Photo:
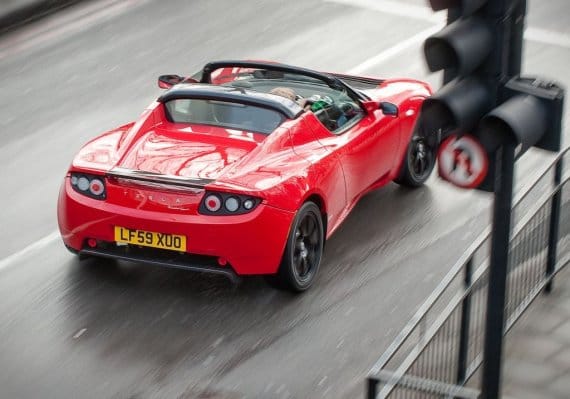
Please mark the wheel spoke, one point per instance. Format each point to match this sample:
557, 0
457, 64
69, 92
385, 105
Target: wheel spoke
304, 267
421, 158
298, 264
303, 227
313, 240
311, 226
420, 166
311, 256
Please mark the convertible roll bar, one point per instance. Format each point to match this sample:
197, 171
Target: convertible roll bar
330, 80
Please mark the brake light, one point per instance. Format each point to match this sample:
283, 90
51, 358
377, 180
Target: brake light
96, 187
213, 203
227, 204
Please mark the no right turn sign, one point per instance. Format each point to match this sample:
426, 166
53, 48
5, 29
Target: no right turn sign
462, 161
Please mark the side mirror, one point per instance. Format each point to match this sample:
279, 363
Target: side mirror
167, 81
389, 108
386, 107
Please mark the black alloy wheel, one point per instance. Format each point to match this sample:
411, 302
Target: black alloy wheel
303, 252
419, 163
421, 159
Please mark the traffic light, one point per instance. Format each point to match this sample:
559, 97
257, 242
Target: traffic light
466, 49
531, 115
480, 53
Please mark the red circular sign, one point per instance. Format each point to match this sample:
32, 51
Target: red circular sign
463, 161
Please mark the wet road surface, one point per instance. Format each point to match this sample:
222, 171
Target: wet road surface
97, 329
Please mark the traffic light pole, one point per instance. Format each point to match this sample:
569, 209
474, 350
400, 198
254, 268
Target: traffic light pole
492, 352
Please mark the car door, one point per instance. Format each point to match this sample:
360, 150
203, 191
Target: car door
366, 148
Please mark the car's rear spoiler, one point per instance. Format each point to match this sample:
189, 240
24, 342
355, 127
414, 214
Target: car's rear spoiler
158, 178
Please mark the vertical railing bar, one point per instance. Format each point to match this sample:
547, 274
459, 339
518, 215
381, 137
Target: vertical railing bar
454, 353
439, 355
372, 391
508, 288
433, 362
480, 316
541, 260
526, 258
465, 323
516, 279
454, 345
472, 340
519, 260
535, 260
546, 234
554, 225
433, 357
529, 263
472, 333
447, 349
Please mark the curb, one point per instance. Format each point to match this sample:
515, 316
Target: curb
31, 12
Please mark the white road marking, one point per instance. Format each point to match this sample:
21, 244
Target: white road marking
547, 37
422, 13
394, 50
79, 333
395, 8
36, 246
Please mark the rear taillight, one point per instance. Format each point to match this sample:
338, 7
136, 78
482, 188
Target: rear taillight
227, 204
90, 185
212, 203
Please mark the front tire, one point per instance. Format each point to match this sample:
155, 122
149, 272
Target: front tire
418, 163
303, 251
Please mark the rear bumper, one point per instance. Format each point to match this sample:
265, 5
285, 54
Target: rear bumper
251, 244
196, 263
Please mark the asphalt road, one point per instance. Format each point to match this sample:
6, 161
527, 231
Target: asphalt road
100, 330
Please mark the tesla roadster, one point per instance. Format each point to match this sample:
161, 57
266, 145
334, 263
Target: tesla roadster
244, 168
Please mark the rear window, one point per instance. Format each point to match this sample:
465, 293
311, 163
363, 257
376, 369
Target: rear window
225, 114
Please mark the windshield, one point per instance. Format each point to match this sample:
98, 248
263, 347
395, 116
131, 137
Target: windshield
225, 114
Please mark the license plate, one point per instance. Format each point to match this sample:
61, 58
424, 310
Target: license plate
150, 239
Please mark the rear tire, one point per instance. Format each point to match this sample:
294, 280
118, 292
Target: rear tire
418, 163
303, 251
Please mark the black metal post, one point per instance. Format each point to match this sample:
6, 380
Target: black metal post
554, 226
493, 349
515, 37
465, 322
372, 390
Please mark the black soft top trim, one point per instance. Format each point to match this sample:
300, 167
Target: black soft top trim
271, 66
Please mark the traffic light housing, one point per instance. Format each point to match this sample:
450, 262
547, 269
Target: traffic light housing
531, 115
480, 53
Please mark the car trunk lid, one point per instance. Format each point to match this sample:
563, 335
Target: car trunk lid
186, 152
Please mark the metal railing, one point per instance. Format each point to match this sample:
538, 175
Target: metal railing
440, 349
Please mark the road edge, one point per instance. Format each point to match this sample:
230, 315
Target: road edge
31, 12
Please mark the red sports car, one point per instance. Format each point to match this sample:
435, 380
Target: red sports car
244, 169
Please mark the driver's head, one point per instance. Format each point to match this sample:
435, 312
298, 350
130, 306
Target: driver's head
284, 92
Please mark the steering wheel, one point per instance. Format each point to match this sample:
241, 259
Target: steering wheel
348, 109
